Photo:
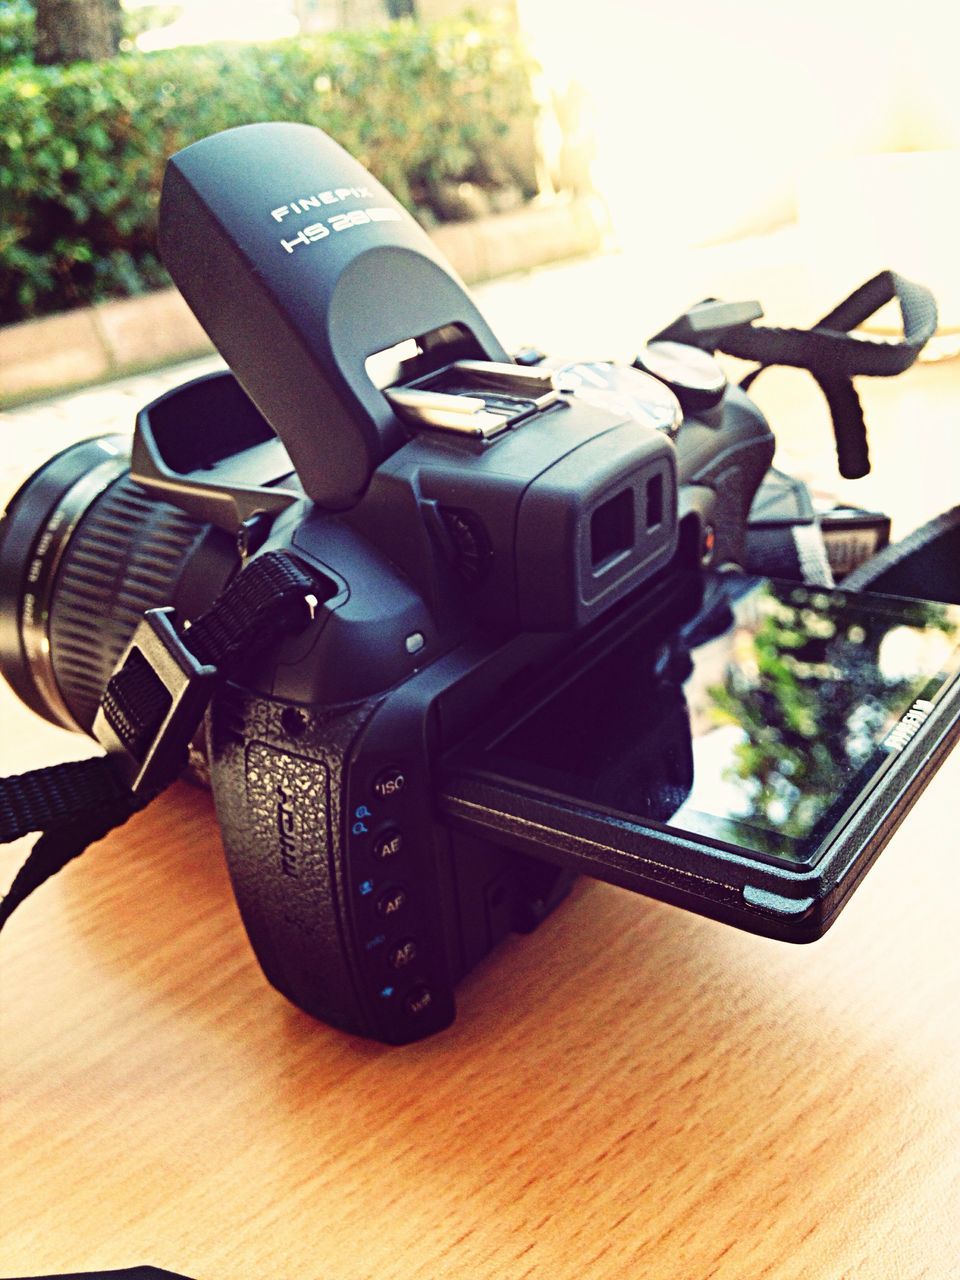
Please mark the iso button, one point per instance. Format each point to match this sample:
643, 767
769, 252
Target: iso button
389, 783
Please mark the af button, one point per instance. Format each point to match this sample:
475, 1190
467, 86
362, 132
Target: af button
391, 901
403, 953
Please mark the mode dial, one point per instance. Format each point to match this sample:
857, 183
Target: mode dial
694, 376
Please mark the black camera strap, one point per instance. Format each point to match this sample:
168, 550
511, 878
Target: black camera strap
152, 707
830, 351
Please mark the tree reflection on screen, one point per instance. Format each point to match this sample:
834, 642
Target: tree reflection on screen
828, 676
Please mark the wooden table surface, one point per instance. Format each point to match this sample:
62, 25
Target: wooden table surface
631, 1091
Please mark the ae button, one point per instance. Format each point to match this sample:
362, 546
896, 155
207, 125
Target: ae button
388, 845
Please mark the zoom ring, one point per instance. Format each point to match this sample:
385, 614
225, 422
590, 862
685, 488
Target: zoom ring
125, 556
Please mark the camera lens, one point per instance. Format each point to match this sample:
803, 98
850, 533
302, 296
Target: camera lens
84, 550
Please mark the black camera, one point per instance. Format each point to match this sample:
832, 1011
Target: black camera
530, 655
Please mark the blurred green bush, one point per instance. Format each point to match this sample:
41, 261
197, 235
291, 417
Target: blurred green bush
16, 32
83, 147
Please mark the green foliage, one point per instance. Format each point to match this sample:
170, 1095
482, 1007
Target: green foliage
822, 706
83, 147
16, 32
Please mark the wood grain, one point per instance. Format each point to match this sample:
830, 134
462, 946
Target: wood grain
631, 1091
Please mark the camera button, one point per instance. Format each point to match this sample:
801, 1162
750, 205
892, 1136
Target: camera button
391, 901
418, 1001
388, 844
389, 783
403, 953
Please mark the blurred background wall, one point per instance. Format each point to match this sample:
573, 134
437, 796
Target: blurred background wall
705, 122
713, 121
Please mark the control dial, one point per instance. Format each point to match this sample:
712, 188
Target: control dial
694, 376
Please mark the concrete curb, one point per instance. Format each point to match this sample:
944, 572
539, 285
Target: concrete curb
80, 348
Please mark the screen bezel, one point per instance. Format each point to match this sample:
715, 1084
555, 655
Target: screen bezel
719, 877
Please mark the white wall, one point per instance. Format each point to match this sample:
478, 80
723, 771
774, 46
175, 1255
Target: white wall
711, 116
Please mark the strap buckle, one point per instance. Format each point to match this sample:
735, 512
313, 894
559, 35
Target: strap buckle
703, 324
154, 704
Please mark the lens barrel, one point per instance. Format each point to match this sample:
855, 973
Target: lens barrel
84, 550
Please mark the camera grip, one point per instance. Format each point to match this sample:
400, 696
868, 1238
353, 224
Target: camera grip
278, 779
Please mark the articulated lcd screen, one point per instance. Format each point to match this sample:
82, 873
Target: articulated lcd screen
756, 723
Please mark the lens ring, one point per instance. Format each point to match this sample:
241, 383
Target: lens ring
128, 556
85, 550
37, 596
23, 525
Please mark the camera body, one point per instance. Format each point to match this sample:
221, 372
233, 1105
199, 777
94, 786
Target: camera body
467, 525
472, 526
529, 651
364, 907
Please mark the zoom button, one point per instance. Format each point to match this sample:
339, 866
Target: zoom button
388, 845
391, 901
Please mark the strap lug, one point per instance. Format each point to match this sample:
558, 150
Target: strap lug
189, 685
